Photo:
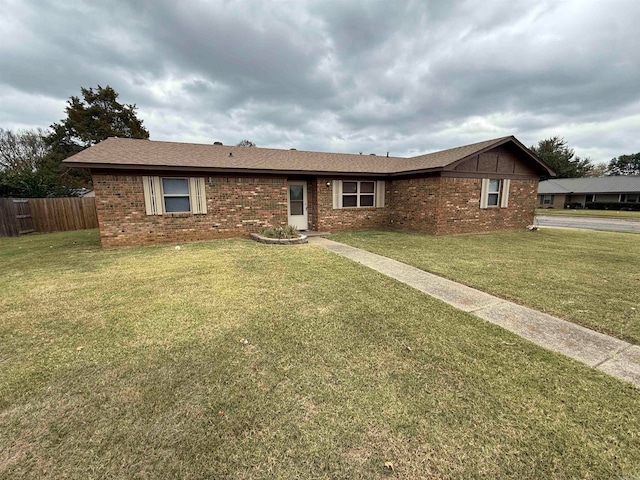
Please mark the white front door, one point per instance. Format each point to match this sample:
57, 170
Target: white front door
297, 204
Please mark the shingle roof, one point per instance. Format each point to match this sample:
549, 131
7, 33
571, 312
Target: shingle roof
613, 184
133, 153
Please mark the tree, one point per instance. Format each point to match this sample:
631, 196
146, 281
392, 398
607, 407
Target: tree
597, 170
25, 169
96, 117
22, 150
246, 143
556, 153
625, 165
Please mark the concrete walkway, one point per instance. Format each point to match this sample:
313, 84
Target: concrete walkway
608, 354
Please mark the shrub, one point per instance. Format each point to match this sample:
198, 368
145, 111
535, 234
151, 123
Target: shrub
573, 205
286, 231
612, 206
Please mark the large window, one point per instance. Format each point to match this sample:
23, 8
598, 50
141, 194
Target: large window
358, 194
174, 195
629, 197
175, 192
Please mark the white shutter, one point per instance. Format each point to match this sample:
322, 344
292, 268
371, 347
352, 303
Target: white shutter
198, 196
484, 193
504, 200
152, 195
380, 193
337, 193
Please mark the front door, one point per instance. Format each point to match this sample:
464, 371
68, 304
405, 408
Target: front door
297, 204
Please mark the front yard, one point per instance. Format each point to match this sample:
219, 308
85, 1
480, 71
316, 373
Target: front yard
589, 277
130, 364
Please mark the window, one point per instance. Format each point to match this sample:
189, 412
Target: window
357, 193
590, 198
629, 197
546, 199
494, 193
174, 195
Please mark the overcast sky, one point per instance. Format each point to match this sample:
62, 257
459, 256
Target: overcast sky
354, 76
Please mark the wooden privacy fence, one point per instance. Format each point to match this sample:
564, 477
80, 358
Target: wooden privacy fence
18, 216
15, 217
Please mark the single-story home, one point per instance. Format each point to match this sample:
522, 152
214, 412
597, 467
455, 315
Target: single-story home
581, 192
149, 192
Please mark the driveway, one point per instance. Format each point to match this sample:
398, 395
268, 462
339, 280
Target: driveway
589, 223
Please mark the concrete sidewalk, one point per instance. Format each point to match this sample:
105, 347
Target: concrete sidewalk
608, 354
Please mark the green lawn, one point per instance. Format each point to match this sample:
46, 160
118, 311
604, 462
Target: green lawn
129, 364
621, 214
589, 277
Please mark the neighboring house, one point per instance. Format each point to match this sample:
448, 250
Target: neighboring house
149, 192
578, 192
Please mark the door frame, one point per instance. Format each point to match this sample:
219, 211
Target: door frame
302, 222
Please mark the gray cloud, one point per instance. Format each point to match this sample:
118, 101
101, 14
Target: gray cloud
406, 77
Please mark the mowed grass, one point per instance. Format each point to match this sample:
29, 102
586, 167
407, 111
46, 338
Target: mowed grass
129, 364
621, 214
589, 277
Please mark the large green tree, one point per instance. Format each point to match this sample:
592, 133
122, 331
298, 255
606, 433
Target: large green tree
625, 165
563, 160
96, 117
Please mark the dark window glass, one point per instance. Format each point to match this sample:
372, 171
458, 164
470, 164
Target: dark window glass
366, 200
296, 192
176, 204
297, 208
349, 187
175, 186
493, 200
366, 187
349, 201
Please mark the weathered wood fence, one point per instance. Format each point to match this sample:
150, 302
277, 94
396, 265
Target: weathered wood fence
22, 215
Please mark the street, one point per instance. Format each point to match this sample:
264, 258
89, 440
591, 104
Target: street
589, 223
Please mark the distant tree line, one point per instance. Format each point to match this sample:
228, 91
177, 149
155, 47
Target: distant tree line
556, 153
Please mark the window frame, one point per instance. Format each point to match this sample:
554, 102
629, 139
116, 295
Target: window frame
502, 193
497, 193
175, 195
154, 196
624, 197
358, 194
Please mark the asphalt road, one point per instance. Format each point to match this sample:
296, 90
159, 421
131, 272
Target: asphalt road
589, 223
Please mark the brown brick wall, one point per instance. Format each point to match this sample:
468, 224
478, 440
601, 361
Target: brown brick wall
459, 208
446, 205
326, 219
238, 206
414, 204
235, 207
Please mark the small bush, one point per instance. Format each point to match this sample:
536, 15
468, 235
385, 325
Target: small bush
286, 231
574, 205
612, 206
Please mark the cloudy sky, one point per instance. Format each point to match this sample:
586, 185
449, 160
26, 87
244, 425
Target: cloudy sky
352, 76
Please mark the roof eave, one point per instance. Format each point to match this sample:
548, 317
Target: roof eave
261, 171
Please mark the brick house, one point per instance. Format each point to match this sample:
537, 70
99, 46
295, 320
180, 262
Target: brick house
149, 192
619, 191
